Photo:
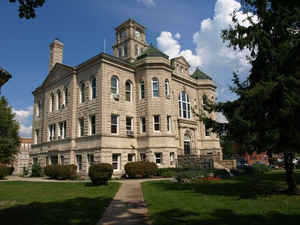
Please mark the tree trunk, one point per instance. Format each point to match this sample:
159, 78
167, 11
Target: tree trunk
290, 175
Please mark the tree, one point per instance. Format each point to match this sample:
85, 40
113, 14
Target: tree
265, 115
9, 138
27, 7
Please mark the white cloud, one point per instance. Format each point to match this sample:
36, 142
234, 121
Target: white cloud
24, 117
221, 118
211, 54
148, 3
166, 42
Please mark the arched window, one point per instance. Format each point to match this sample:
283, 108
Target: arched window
128, 91
142, 87
58, 100
93, 88
38, 109
204, 100
114, 85
184, 105
65, 96
155, 87
51, 103
187, 144
125, 50
167, 87
81, 92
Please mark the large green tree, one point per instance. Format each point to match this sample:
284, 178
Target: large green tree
265, 115
27, 7
9, 138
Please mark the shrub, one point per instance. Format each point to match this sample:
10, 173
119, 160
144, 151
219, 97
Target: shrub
100, 173
222, 173
190, 174
140, 169
11, 170
257, 169
36, 170
61, 172
166, 172
4, 171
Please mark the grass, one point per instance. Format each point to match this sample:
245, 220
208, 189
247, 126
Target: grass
237, 201
41, 203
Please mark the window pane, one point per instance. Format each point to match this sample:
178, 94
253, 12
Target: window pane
93, 88
155, 87
114, 124
114, 85
142, 90
128, 123
128, 91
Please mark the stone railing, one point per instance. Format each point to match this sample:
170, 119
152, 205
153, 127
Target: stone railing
194, 161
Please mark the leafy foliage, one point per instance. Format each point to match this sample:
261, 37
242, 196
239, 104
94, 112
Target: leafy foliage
9, 138
140, 169
61, 172
36, 170
27, 7
100, 173
4, 171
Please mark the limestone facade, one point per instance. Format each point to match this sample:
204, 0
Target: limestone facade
135, 105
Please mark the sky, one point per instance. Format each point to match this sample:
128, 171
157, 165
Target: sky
189, 28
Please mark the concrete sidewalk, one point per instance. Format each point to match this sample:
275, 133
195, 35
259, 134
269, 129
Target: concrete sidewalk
127, 207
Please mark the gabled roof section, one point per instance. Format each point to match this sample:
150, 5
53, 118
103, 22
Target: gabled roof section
151, 51
182, 59
58, 72
199, 75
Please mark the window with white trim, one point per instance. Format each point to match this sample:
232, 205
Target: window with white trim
51, 103
128, 91
58, 100
131, 157
155, 87
36, 136
80, 127
92, 125
65, 97
81, 92
51, 132
142, 89
129, 123
114, 85
143, 124
158, 158
184, 105
156, 123
62, 130
172, 158
114, 124
116, 161
93, 88
38, 109
169, 123
167, 87
79, 162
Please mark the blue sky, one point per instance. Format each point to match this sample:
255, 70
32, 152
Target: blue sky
178, 27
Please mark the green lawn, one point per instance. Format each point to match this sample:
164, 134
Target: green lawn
238, 201
40, 203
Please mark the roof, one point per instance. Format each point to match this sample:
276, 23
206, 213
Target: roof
151, 51
199, 75
4, 76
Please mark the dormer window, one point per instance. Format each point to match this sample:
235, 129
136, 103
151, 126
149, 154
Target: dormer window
182, 69
123, 34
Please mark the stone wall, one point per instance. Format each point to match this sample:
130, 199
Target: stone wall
194, 161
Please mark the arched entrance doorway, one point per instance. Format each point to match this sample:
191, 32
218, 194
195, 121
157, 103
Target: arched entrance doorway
187, 144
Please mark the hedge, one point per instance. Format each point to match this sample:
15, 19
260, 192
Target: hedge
100, 173
140, 169
4, 171
61, 172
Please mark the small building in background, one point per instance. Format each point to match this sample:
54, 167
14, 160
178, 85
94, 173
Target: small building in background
21, 161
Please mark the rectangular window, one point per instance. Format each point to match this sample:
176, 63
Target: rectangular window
131, 157
143, 156
51, 132
54, 160
142, 90
65, 129
92, 127
36, 136
158, 158
35, 161
80, 127
155, 88
169, 123
128, 123
172, 158
79, 162
116, 161
93, 88
156, 122
114, 124
143, 124
62, 160
90, 158
207, 132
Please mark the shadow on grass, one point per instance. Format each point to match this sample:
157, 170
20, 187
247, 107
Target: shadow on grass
243, 187
79, 211
222, 217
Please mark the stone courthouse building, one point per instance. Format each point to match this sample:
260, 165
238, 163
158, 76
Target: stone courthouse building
134, 105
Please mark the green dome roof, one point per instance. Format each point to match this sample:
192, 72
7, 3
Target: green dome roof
199, 75
151, 51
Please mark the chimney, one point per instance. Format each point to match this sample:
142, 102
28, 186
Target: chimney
56, 53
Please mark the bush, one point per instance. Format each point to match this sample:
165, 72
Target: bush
166, 172
100, 173
140, 169
4, 171
11, 170
190, 174
61, 172
221, 173
257, 169
36, 170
